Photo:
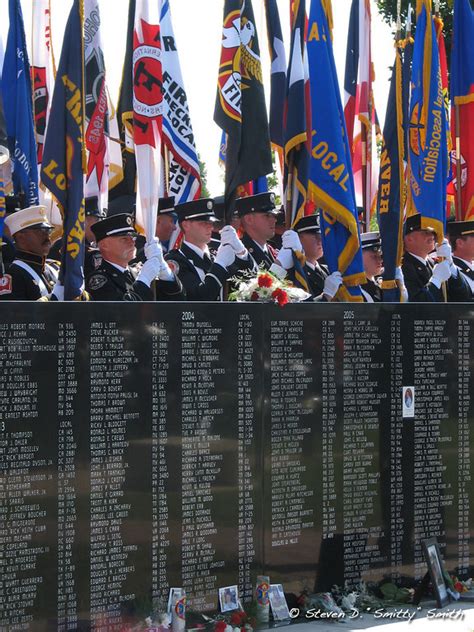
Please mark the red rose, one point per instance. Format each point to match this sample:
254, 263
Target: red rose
254, 296
459, 587
237, 617
280, 296
265, 281
220, 626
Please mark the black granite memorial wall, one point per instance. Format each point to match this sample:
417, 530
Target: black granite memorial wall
145, 446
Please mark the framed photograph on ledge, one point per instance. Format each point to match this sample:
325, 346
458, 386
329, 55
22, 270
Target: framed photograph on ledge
436, 570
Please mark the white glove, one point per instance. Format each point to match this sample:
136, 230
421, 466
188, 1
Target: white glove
441, 272
166, 274
58, 291
153, 249
332, 283
399, 275
225, 255
445, 251
150, 270
290, 239
230, 238
285, 258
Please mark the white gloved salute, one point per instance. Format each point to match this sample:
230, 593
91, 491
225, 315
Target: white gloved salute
230, 238
332, 283
441, 272
150, 270
290, 239
445, 251
225, 255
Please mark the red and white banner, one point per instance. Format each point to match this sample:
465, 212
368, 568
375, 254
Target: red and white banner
147, 111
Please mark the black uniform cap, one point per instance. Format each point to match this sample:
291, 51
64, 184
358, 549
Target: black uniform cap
166, 205
413, 223
201, 210
260, 203
308, 224
92, 207
114, 226
459, 229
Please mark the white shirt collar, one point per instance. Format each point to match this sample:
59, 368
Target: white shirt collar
197, 250
116, 265
425, 261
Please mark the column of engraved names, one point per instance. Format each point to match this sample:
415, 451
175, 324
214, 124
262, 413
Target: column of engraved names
432, 495
396, 447
290, 384
246, 422
201, 462
25, 482
329, 419
361, 476
160, 471
67, 451
110, 362
464, 442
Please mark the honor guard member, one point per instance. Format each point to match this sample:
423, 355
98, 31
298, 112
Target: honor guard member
29, 277
461, 237
115, 279
322, 285
202, 275
423, 277
258, 221
371, 246
94, 214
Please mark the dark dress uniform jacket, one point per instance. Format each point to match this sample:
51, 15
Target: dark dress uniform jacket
185, 263
373, 289
466, 270
315, 278
31, 277
108, 283
417, 276
259, 256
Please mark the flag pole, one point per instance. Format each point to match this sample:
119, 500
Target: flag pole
457, 130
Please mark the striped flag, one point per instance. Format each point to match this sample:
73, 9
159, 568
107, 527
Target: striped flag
184, 173
42, 70
359, 110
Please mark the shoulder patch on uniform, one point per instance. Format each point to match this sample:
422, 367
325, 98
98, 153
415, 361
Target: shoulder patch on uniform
96, 260
96, 281
174, 266
6, 286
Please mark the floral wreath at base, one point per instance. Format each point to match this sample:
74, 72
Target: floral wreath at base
265, 287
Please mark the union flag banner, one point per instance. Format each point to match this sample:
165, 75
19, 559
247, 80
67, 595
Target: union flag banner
428, 151
18, 108
63, 159
147, 85
462, 96
240, 104
184, 174
331, 185
96, 110
42, 70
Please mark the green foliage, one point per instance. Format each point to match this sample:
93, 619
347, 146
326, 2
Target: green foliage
203, 170
395, 594
388, 11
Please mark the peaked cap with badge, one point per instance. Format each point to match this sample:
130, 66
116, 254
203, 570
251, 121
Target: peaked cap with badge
259, 203
114, 226
201, 210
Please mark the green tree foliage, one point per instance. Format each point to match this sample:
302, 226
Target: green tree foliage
388, 11
203, 170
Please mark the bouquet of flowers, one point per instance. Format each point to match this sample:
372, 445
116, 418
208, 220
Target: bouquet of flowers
267, 288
